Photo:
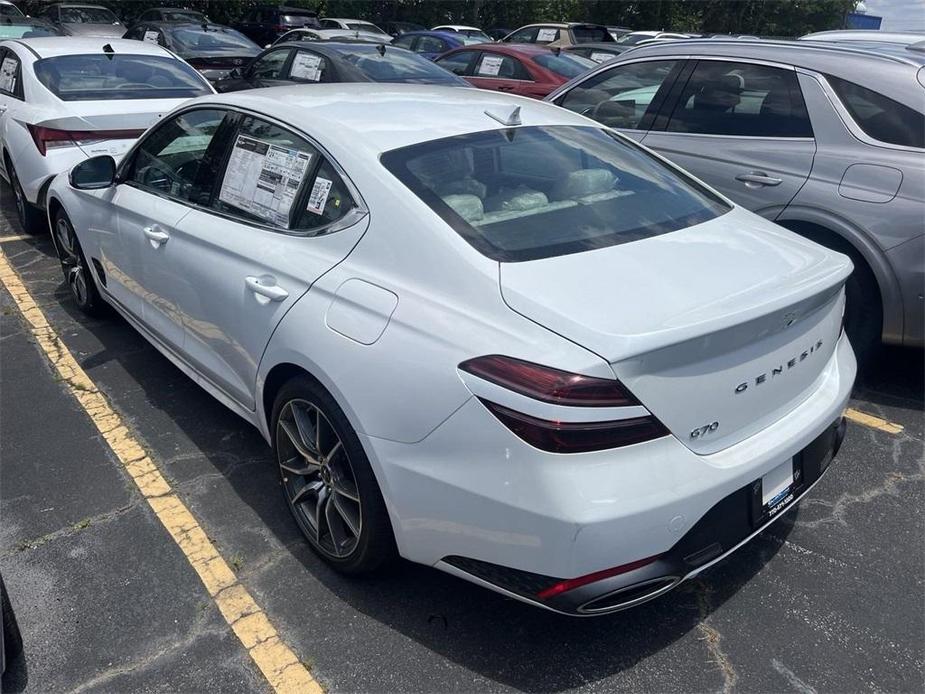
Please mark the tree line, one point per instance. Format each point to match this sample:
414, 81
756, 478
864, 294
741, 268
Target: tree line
759, 17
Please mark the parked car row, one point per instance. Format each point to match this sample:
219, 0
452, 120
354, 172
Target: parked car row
720, 218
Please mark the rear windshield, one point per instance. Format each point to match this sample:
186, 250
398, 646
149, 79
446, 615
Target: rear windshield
537, 192
26, 31
364, 26
591, 34
567, 66
87, 15
183, 16
101, 76
397, 65
222, 39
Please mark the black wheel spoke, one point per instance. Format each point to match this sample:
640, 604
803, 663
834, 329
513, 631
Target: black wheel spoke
350, 518
295, 438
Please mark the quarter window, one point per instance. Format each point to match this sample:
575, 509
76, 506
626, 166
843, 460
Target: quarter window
880, 117
172, 160
724, 98
270, 66
622, 96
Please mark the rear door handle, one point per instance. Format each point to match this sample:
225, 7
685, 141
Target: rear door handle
265, 288
758, 178
156, 236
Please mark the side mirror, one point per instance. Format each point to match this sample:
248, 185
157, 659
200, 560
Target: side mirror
235, 74
94, 173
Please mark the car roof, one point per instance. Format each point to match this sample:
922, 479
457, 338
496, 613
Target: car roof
53, 46
602, 45
366, 122
903, 37
886, 73
335, 47
433, 32
78, 4
457, 27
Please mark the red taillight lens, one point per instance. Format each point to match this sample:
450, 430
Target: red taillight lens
577, 437
549, 385
47, 138
572, 583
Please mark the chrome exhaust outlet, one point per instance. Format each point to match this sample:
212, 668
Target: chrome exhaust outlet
630, 596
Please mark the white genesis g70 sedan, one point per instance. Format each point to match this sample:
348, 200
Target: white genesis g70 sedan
479, 331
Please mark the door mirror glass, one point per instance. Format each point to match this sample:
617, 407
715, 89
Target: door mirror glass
94, 173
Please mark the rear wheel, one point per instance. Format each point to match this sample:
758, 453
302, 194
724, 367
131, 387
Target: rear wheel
327, 480
12, 639
80, 283
863, 312
30, 217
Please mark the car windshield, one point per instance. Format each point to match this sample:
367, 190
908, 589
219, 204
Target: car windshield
26, 30
567, 66
397, 65
536, 192
476, 34
10, 11
217, 38
184, 16
87, 15
633, 39
473, 40
107, 76
364, 26
591, 34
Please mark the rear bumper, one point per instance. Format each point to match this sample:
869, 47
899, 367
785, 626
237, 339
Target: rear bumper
730, 524
473, 490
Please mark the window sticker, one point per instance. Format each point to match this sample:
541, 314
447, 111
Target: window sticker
319, 195
8, 74
306, 66
601, 57
490, 65
264, 179
547, 34
150, 36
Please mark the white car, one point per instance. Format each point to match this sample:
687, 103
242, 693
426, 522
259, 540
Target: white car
505, 342
331, 35
353, 25
467, 31
63, 99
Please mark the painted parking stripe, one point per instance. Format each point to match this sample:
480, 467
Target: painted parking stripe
869, 420
20, 237
248, 621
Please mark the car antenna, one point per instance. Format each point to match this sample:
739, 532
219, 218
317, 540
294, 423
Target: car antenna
513, 118
381, 49
107, 49
557, 50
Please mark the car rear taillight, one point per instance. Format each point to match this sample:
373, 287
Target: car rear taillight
550, 385
49, 138
567, 389
573, 583
577, 437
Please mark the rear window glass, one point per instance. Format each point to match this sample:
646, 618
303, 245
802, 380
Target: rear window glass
880, 117
26, 31
299, 18
101, 76
536, 192
565, 65
591, 34
397, 65
194, 38
87, 15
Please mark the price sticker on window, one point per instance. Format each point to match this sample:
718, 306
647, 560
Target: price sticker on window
490, 65
601, 57
8, 74
150, 36
318, 198
547, 35
306, 66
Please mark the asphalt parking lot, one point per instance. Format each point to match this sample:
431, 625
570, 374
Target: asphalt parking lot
830, 599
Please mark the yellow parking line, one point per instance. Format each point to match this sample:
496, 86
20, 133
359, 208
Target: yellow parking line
869, 420
20, 237
276, 661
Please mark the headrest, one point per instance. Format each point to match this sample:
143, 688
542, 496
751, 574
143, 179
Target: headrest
586, 182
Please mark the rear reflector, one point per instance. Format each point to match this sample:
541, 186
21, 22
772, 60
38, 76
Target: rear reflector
549, 385
48, 138
572, 583
577, 437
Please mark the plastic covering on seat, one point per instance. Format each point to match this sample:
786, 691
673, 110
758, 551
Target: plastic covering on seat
516, 200
469, 207
579, 185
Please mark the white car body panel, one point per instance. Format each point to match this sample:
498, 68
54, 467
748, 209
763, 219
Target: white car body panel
383, 329
41, 107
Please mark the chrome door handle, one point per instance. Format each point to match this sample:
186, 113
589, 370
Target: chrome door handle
758, 178
156, 237
262, 288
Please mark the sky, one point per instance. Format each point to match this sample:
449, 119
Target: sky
898, 15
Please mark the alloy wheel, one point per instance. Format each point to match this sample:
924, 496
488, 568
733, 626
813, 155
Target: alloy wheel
318, 478
19, 197
71, 262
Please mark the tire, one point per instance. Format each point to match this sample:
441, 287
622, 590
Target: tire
863, 312
327, 480
30, 217
12, 639
77, 274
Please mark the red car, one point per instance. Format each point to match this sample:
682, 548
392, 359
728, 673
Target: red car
524, 69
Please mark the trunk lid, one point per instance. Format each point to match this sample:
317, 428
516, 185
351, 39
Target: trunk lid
687, 318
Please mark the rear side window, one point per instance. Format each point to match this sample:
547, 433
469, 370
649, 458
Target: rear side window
501, 67
308, 67
431, 44
527, 35
270, 66
725, 98
565, 65
457, 63
404, 41
880, 117
101, 76
591, 34
396, 65
536, 192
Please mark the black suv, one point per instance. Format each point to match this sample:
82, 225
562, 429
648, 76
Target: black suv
266, 23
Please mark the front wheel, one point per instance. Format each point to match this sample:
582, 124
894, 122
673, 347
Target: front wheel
80, 283
327, 480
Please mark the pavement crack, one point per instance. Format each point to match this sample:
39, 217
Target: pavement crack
795, 682
711, 636
71, 530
